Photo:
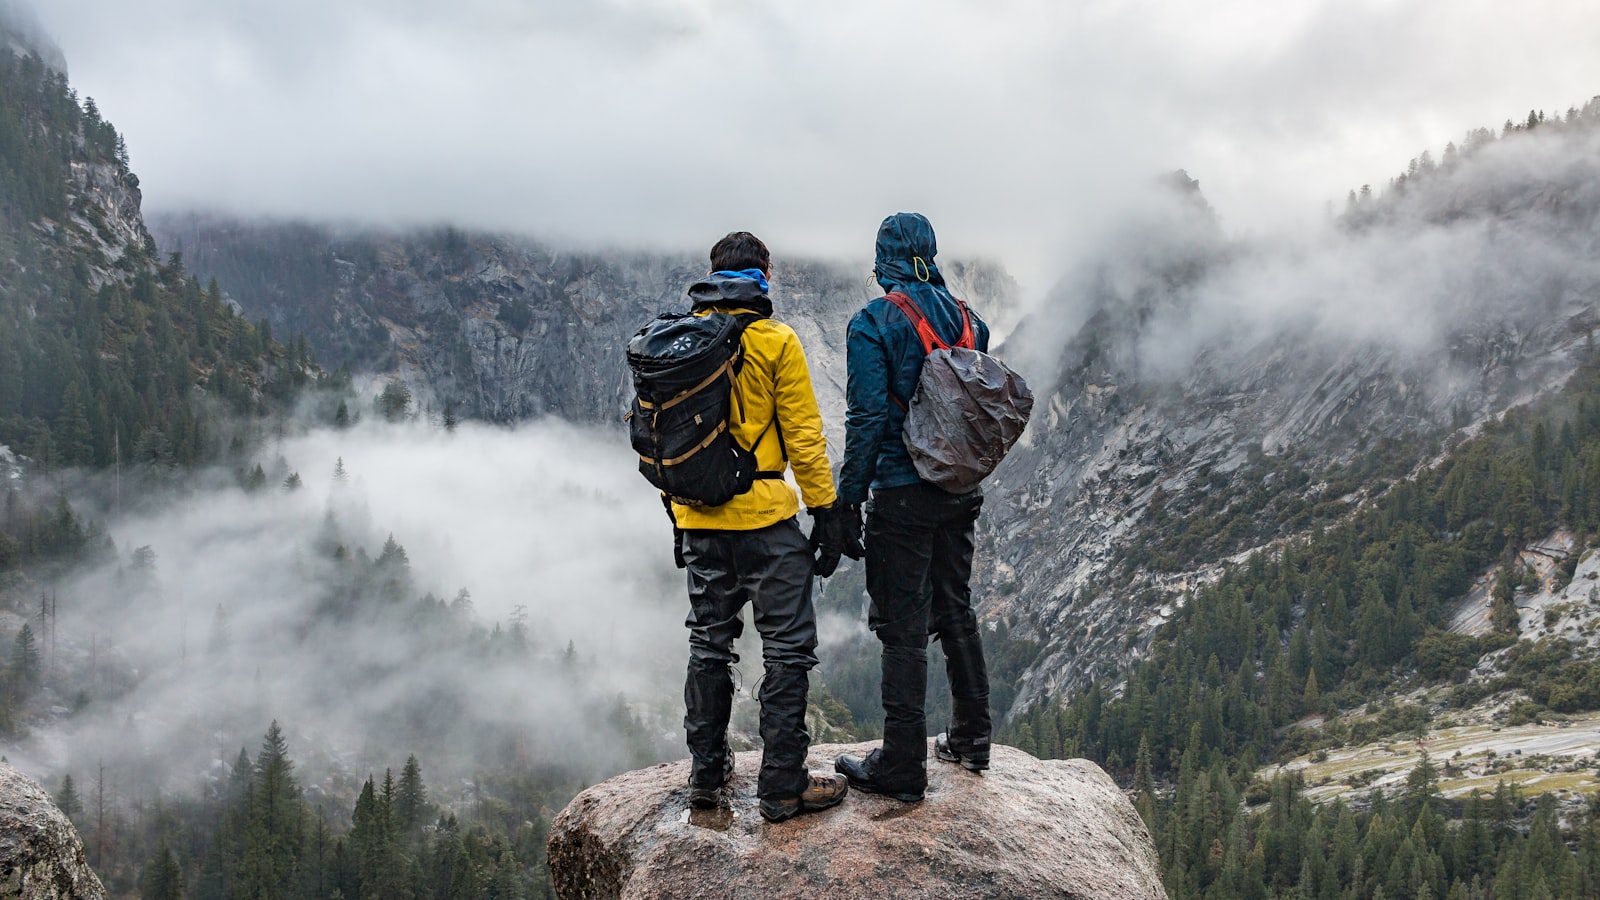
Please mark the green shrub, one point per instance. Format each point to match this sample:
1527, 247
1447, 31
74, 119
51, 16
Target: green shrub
1445, 654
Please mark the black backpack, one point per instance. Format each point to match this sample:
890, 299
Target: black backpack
683, 412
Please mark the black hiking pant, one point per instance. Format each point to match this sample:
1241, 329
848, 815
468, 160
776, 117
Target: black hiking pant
769, 568
919, 561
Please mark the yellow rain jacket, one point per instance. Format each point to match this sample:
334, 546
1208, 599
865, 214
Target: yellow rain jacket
773, 383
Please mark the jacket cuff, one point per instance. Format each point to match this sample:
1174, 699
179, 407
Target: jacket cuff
851, 497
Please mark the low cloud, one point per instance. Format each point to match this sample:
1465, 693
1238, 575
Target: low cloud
1020, 127
1487, 248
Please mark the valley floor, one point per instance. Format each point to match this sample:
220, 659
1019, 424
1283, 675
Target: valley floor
1557, 756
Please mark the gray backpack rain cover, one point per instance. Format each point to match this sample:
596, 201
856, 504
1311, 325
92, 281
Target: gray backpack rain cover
967, 412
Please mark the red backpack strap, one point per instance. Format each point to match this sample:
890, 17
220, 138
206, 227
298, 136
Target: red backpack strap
968, 339
930, 338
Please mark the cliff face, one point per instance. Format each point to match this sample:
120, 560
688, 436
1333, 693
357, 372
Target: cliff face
1187, 422
504, 329
103, 348
1128, 496
1025, 829
41, 857
107, 224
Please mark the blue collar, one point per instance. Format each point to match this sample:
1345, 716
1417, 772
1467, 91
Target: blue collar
755, 275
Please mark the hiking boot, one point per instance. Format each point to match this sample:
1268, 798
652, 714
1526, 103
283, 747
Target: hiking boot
710, 797
823, 792
972, 762
863, 776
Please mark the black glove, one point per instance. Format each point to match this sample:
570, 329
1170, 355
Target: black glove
849, 525
835, 532
827, 557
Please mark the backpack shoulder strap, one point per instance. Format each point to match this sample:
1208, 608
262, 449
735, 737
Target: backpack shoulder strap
925, 333
969, 340
745, 320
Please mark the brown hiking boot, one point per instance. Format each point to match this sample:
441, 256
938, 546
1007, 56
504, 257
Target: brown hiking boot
823, 792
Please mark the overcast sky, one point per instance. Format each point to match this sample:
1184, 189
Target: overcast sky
1015, 124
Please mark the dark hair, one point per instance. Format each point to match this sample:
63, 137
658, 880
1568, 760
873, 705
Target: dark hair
740, 250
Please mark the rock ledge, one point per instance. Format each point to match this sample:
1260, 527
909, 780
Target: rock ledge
41, 857
1026, 829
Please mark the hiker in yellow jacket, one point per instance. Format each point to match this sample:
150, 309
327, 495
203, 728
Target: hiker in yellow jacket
751, 550
781, 425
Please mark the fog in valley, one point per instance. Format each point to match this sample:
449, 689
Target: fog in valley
535, 618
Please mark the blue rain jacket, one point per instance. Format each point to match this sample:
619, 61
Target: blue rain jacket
884, 355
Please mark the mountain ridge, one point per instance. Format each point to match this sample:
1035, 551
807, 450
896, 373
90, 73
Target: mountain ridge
504, 328
1276, 426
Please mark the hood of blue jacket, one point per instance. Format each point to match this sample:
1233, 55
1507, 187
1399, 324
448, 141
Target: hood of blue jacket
730, 289
903, 238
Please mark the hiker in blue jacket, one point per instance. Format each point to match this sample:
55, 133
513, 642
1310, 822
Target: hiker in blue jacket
919, 537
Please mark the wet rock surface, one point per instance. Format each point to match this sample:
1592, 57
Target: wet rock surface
1027, 828
41, 857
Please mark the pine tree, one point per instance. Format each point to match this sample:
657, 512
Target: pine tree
411, 797
381, 867
274, 836
394, 401
465, 879
1311, 700
1503, 613
67, 798
255, 479
1374, 625
393, 554
163, 877
507, 883
367, 832
24, 669
1421, 786
1144, 786
74, 437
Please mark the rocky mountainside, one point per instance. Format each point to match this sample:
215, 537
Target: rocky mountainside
106, 353
1223, 394
1025, 829
503, 329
